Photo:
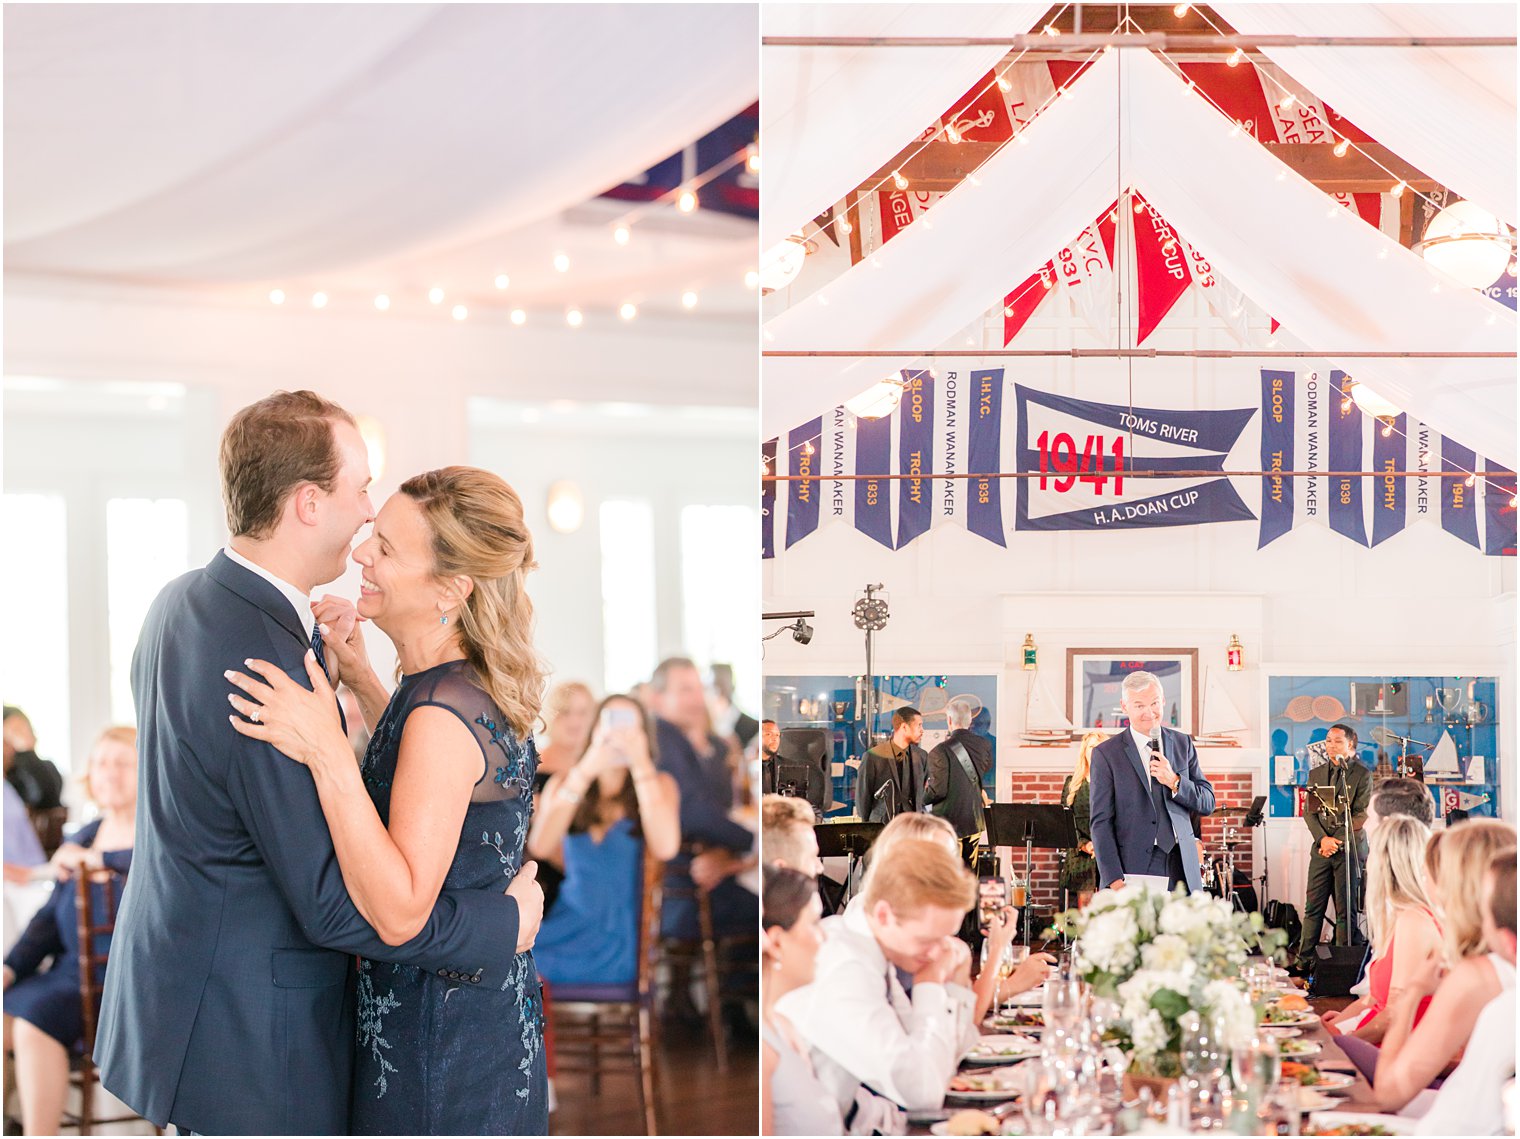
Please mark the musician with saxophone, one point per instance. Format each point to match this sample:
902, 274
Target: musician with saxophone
1342, 778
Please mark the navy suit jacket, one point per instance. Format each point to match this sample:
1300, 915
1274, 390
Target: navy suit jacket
1124, 814
228, 1006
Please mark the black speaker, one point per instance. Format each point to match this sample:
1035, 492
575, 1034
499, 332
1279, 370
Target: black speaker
1336, 968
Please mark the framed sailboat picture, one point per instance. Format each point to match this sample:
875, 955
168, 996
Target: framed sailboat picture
1094, 678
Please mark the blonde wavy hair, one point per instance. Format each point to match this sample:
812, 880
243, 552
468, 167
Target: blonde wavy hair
1465, 852
1395, 875
1084, 763
479, 532
560, 696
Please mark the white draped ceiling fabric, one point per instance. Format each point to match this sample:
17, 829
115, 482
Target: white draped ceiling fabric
830, 116
221, 143
1332, 283
1449, 111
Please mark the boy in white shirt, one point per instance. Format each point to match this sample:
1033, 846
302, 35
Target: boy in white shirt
862, 1025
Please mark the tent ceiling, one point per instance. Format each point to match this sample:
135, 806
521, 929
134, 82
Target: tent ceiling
369, 147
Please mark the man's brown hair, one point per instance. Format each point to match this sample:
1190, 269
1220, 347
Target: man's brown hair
271, 447
917, 872
1502, 867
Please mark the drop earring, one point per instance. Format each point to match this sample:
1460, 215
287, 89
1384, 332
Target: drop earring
444, 620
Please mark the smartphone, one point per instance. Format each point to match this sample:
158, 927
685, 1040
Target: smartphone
991, 897
620, 717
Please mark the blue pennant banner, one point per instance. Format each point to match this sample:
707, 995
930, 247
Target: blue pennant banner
802, 493
1345, 455
768, 501
1277, 427
873, 454
1499, 509
1459, 502
1390, 449
984, 501
915, 455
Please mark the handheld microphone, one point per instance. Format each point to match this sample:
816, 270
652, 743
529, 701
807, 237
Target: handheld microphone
1155, 748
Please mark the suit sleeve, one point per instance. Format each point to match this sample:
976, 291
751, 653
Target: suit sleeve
40, 940
468, 930
1194, 792
937, 781
1105, 838
866, 784
1312, 820
1360, 798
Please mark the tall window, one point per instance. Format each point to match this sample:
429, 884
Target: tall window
629, 630
720, 584
146, 548
34, 580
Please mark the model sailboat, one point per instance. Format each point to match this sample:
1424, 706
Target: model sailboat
1218, 718
1044, 724
1444, 765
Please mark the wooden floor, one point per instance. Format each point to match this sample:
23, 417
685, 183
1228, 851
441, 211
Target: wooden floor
694, 1098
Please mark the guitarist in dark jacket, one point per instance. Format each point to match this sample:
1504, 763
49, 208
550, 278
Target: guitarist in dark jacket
953, 786
891, 778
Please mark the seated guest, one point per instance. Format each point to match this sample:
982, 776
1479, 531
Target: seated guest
44, 1022
1399, 797
862, 1025
1469, 1102
784, 774
23, 854
36, 780
1412, 1058
568, 711
1401, 920
595, 821
892, 774
953, 783
792, 1099
729, 720
786, 834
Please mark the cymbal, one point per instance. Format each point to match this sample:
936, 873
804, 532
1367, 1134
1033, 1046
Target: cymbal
1232, 810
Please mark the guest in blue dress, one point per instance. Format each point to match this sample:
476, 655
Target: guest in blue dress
44, 1021
442, 798
594, 822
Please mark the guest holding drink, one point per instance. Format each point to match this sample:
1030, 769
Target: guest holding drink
1079, 872
596, 820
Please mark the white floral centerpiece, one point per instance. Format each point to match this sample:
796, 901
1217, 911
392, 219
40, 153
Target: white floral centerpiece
1160, 956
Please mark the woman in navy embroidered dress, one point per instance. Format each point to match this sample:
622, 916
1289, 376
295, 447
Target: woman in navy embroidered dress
443, 798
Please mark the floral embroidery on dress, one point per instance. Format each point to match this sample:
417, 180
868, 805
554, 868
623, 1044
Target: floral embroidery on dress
372, 1012
523, 980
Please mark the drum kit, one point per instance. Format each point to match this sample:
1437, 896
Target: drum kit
1218, 868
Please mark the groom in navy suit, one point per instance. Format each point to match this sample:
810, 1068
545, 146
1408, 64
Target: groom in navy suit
1146, 786
228, 1005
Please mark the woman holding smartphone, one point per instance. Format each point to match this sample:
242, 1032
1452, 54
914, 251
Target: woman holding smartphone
594, 821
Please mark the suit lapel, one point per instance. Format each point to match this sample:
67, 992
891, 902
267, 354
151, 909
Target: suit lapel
258, 592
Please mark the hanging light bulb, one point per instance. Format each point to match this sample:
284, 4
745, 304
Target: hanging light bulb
751, 278
621, 235
1387, 425
460, 312
1342, 147
574, 317
752, 159
1470, 480
845, 226
1398, 188
628, 311
566, 507
382, 302
1180, 10
687, 201
502, 280
688, 300
1288, 102
318, 300
519, 317
1235, 57
561, 263
898, 180
1467, 243
1003, 85
952, 134
276, 296
435, 294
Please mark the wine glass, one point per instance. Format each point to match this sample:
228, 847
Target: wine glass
1203, 1056
1013, 957
1257, 1067
1062, 1002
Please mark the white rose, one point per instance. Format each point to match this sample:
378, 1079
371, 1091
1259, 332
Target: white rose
1167, 953
1109, 940
1149, 1033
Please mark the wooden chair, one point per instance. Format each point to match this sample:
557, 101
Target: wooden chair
686, 953
601, 1029
97, 920
49, 822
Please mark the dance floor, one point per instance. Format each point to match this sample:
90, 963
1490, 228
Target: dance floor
694, 1098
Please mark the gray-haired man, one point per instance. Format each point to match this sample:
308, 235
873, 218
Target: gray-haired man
1146, 786
953, 785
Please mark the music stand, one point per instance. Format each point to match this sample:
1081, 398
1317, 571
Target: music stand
1049, 826
849, 838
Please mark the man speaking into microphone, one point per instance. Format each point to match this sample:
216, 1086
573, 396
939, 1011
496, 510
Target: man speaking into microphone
1146, 786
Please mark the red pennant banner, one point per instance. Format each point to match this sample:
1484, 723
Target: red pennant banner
1027, 296
1237, 91
981, 114
1161, 265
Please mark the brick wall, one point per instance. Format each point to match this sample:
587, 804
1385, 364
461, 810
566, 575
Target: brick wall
1230, 790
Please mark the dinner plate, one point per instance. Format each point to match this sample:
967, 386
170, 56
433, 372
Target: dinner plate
997, 1086
1282, 1031
1298, 1049
1299, 1018
1333, 1082
943, 1128
1322, 1121
1311, 1099
1003, 1023
1001, 1048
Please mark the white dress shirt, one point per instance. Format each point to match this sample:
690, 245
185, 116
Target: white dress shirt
299, 600
864, 1029
1468, 1102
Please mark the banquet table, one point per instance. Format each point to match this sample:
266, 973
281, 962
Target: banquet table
1356, 1098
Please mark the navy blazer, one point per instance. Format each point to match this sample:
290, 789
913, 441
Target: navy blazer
1123, 814
228, 1007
